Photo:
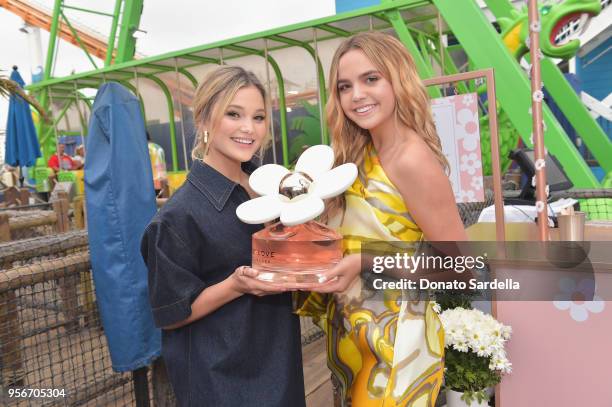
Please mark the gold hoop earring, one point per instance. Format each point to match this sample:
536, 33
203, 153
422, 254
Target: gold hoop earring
205, 136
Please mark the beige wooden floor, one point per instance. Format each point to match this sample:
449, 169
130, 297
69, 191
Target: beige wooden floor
317, 381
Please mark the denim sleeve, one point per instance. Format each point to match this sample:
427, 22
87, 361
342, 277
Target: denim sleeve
173, 283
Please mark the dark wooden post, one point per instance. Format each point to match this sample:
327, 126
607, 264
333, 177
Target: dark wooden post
86, 283
67, 285
11, 361
141, 387
5, 230
163, 395
79, 214
24, 196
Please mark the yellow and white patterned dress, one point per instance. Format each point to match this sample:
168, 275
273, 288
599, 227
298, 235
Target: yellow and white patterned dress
384, 349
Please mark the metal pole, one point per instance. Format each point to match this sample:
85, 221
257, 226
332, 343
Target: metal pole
78, 39
81, 116
178, 81
52, 39
441, 44
130, 20
59, 158
135, 82
319, 90
537, 96
172, 124
271, 110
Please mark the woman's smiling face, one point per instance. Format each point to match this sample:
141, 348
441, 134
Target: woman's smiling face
366, 96
242, 128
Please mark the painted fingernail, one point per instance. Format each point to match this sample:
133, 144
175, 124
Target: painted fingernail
322, 279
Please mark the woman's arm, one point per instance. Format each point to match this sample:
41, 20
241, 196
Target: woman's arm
427, 192
242, 281
428, 195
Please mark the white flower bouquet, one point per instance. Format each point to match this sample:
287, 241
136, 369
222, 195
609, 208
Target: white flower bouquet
475, 357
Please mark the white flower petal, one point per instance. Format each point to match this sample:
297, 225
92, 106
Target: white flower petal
579, 313
260, 210
266, 179
595, 306
301, 210
335, 181
316, 160
562, 305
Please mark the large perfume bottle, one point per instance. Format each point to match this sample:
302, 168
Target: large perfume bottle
296, 249
295, 254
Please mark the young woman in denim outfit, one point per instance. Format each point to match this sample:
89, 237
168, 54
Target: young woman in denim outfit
228, 339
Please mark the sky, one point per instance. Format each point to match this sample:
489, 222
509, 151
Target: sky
169, 26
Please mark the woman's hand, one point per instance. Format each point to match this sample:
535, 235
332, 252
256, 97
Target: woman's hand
340, 277
244, 281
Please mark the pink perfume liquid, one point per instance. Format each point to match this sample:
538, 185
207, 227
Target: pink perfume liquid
295, 254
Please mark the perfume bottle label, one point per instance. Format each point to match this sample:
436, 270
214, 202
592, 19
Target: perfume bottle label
264, 253
263, 256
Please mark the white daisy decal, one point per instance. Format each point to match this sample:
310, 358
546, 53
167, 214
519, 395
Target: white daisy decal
579, 309
476, 183
470, 163
468, 99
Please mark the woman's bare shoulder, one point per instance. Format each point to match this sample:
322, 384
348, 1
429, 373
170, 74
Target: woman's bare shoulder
414, 158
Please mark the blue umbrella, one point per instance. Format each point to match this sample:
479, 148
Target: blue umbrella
22, 148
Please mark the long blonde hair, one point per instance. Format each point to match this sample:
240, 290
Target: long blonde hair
412, 108
213, 96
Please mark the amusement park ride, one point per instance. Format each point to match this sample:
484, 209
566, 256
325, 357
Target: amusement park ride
434, 31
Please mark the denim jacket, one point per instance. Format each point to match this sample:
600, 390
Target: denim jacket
247, 352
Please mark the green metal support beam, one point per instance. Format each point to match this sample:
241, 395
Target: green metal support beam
449, 66
499, 7
84, 124
128, 23
184, 72
576, 112
366, 11
57, 7
56, 121
76, 36
189, 76
172, 125
334, 30
320, 79
42, 127
132, 10
110, 48
568, 101
424, 48
100, 13
486, 50
203, 60
423, 68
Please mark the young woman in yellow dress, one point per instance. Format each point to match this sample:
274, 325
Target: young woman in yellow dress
389, 351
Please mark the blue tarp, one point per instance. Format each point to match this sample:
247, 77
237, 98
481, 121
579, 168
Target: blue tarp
22, 148
120, 204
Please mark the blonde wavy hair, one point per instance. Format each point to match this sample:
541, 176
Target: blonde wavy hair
412, 106
213, 96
